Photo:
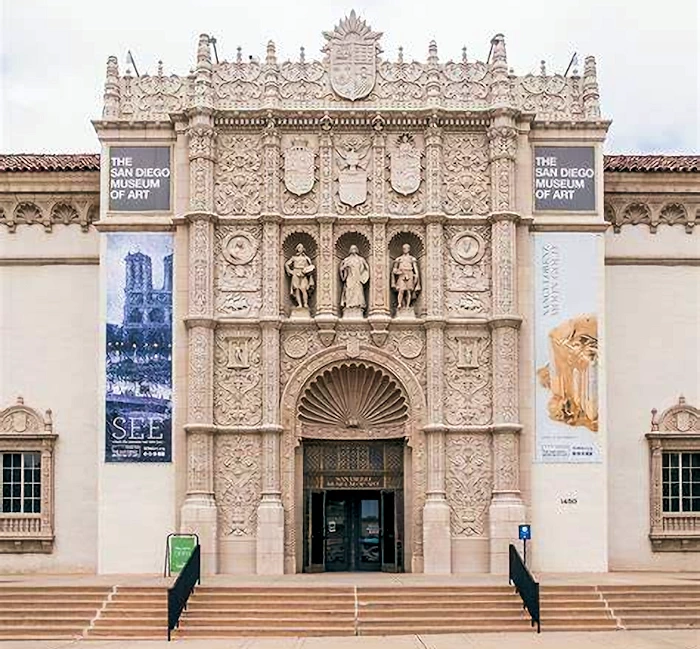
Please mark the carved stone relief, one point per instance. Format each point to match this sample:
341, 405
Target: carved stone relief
468, 271
237, 483
49, 210
405, 186
626, 209
468, 483
468, 377
466, 182
299, 251
352, 168
238, 174
237, 271
237, 377
296, 344
299, 174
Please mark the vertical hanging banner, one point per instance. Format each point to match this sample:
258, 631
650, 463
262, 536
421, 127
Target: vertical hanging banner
566, 347
138, 399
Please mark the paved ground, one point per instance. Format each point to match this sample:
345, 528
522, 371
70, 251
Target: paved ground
554, 640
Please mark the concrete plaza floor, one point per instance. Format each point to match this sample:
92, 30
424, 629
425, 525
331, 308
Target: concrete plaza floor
685, 639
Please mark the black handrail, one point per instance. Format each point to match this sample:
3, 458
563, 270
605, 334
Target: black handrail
181, 590
525, 585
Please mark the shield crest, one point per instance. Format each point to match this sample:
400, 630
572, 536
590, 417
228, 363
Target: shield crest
299, 168
352, 186
405, 166
352, 49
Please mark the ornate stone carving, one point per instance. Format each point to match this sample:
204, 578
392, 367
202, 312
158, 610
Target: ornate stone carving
237, 483
468, 483
296, 345
354, 274
628, 209
466, 182
405, 279
405, 165
468, 271
198, 375
505, 397
467, 247
681, 418
238, 175
468, 380
352, 51
237, 385
199, 463
353, 154
237, 271
49, 210
300, 270
299, 167
506, 462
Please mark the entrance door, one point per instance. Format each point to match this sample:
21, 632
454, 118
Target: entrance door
389, 536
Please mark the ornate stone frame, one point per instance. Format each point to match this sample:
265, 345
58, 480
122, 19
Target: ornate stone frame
677, 429
23, 429
291, 468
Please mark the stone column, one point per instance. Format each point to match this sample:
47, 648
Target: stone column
507, 509
270, 532
437, 549
379, 315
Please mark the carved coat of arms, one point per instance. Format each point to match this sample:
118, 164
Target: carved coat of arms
352, 47
352, 173
299, 168
405, 166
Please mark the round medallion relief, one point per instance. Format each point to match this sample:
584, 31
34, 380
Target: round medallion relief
410, 346
239, 248
296, 346
467, 248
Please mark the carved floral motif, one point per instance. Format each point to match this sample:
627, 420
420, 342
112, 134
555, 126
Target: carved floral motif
468, 483
238, 175
466, 182
237, 483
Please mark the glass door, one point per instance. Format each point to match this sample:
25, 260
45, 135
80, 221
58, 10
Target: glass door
390, 561
337, 544
315, 530
368, 538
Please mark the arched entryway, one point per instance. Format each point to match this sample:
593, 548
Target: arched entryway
352, 463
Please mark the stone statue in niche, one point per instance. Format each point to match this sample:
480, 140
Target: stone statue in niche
405, 280
354, 274
301, 281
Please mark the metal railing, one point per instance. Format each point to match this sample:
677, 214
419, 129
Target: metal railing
181, 590
525, 585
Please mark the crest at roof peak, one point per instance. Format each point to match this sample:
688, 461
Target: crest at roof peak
352, 25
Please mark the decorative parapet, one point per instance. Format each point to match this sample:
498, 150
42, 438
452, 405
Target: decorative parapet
674, 445
48, 210
352, 75
652, 211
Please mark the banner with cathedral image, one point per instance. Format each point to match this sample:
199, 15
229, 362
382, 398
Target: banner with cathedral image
138, 392
567, 294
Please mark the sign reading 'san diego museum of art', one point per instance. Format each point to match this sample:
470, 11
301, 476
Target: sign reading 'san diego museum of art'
564, 178
139, 178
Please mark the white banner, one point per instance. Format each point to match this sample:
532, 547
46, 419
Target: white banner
567, 291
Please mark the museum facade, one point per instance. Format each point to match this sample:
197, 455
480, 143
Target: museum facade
350, 314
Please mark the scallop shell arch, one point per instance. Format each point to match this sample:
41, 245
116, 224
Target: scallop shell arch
353, 395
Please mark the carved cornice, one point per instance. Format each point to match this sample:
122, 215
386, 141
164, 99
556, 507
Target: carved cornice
48, 210
652, 211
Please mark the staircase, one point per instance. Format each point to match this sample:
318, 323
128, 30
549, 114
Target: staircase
574, 608
654, 607
48, 612
219, 612
133, 612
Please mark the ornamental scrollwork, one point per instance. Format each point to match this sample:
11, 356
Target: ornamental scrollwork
466, 182
238, 175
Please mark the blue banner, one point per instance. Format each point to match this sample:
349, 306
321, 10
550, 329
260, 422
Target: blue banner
138, 398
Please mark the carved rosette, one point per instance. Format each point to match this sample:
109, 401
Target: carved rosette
468, 483
201, 155
238, 482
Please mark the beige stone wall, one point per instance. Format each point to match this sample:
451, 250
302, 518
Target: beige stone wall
48, 354
653, 321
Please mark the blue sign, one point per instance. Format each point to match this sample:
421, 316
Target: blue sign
524, 532
138, 399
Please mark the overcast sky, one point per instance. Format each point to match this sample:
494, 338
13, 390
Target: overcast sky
54, 53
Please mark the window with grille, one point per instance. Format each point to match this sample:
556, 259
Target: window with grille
21, 483
681, 482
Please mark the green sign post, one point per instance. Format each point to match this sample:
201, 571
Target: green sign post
180, 547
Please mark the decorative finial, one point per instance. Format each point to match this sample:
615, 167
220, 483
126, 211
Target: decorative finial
302, 54
681, 400
464, 54
654, 419
239, 54
400, 53
20, 401
498, 53
543, 68
591, 95
48, 419
203, 51
160, 68
271, 58
432, 52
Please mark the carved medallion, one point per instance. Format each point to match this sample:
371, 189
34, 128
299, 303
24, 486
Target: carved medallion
239, 248
297, 345
405, 165
467, 248
299, 168
410, 346
352, 47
